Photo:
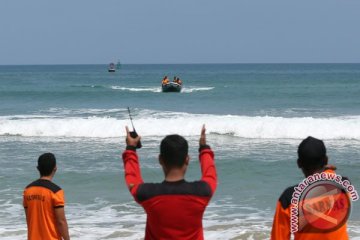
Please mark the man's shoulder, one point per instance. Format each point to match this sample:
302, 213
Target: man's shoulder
285, 197
45, 184
149, 190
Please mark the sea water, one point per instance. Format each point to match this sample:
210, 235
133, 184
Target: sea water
255, 115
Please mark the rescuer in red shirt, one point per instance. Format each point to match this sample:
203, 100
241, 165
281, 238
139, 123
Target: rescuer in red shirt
174, 207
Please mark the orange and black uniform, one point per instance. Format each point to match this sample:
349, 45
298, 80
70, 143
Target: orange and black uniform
40, 199
174, 209
281, 224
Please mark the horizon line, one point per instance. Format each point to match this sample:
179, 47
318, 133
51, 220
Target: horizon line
252, 63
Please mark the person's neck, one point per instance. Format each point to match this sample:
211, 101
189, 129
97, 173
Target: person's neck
49, 178
312, 172
174, 175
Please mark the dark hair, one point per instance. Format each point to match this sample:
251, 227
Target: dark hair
312, 153
174, 150
46, 164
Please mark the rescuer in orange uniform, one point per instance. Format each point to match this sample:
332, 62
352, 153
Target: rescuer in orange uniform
312, 159
44, 204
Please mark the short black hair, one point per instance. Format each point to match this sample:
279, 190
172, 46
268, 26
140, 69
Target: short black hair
312, 153
174, 150
46, 164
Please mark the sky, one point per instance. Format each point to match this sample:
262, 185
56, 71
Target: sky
186, 31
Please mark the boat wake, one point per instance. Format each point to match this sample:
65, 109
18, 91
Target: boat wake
196, 89
158, 89
133, 89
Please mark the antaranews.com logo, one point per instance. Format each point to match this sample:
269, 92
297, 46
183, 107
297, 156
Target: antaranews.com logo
321, 203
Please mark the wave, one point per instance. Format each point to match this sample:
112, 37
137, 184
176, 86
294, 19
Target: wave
127, 221
162, 123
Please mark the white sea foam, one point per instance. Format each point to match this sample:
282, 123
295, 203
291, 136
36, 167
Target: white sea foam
158, 89
142, 89
104, 220
196, 89
159, 124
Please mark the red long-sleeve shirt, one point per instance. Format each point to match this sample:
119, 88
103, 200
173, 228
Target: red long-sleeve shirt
174, 209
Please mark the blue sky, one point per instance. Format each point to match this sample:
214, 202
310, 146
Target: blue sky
186, 31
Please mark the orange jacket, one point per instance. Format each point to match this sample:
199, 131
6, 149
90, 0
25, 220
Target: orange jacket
40, 199
281, 229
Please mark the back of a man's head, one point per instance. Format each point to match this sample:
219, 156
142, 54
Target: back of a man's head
312, 154
46, 164
173, 151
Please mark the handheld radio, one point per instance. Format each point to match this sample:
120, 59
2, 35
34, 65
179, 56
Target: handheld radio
133, 133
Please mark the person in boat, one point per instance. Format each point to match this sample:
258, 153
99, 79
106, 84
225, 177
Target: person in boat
174, 79
178, 81
165, 80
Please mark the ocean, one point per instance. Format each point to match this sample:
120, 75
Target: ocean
255, 114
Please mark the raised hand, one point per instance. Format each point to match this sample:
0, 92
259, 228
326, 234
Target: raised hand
130, 141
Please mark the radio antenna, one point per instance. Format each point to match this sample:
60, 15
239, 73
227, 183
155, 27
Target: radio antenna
132, 124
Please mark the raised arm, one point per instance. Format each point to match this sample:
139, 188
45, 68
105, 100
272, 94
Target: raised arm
207, 163
131, 163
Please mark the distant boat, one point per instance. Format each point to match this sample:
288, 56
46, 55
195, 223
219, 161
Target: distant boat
118, 65
171, 87
111, 67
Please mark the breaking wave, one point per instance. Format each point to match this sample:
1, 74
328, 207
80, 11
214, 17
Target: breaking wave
111, 124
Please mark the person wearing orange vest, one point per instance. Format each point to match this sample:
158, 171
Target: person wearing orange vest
165, 80
312, 160
44, 203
